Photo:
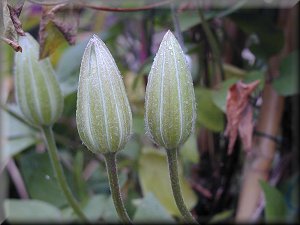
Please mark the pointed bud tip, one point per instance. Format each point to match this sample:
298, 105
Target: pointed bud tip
169, 34
95, 39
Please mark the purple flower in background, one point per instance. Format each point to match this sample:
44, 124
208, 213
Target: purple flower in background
35, 9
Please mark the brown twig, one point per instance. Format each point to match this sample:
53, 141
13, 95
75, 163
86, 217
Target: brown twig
198, 187
90, 169
17, 179
13, 44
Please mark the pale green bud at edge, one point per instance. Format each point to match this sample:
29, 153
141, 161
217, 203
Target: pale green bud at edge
37, 90
170, 107
103, 114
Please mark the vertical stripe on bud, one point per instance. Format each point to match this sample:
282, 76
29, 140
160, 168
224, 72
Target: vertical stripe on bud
170, 99
103, 113
37, 90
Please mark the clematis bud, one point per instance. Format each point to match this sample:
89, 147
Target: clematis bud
37, 90
170, 99
103, 115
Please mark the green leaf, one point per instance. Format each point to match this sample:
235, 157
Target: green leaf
17, 145
151, 211
68, 70
69, 108
220, 217
253, 76
145, 67
275, 209
131, 196
208, 114
188, 19
16, 127
39, 178
19, 136
287, 83
138, 126
98, 182
189, 150
289, 187
219, 95
96, 207
135, 90
131, 150
270, 37
292, 198
68, 215
110, 214
232, 71
211, 14
153, 167
30, 211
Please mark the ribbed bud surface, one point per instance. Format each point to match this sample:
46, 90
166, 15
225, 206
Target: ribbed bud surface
37, 90
103, 113
170, 99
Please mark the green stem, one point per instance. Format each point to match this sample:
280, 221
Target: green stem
110, 160
173, 170
212, 42
52, 150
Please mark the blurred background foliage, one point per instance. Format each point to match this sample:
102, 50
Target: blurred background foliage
242, 39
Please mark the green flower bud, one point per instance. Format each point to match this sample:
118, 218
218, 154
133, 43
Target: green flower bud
170, 99
103, 115
37, 90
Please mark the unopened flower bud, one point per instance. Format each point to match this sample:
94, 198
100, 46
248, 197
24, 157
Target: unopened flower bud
37, 90
170, 99
103, 115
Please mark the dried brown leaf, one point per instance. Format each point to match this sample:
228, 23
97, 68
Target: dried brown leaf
50, 40
239, 114
8, 32
59, 24
15, 12
67, 22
